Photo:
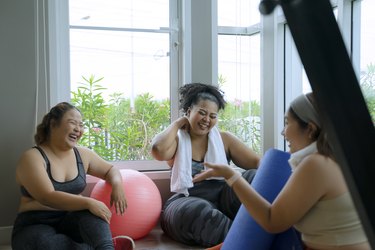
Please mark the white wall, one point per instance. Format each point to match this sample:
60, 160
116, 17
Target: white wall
17, 97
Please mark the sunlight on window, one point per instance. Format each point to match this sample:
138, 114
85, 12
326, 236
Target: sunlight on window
120, 75
239, 69
238, 13
367, 62
120, 14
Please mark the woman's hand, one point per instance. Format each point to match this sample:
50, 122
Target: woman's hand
216, 170
118, 199
99, 209
183, 123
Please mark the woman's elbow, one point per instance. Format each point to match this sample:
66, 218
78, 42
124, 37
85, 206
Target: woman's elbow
46, 199
156, 152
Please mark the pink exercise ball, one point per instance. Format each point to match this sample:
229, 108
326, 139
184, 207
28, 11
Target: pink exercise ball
144, 204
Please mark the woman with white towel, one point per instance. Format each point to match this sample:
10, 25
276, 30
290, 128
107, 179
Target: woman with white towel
200, 213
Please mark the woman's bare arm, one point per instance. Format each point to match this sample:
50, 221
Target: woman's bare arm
241, 155
164, 144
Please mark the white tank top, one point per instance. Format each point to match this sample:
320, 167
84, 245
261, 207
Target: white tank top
333, 222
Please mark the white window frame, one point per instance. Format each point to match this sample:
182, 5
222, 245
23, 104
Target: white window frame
185, 64
59, 61
280, 83
288, 83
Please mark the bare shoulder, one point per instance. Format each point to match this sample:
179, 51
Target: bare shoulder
30, 161
88, 156
325, 171
228, 137
316, 160
85, 151
30, 155
319, 166
226, 134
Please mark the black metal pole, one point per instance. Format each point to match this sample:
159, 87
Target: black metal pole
339, 97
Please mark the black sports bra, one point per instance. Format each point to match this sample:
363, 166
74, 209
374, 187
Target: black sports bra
75, 186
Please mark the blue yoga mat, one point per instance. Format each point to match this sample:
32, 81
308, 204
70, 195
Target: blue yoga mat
245, 233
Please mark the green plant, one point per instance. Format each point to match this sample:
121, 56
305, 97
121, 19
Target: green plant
367, 82
118, 131
89, 100
243, 120
115, 130
132, 129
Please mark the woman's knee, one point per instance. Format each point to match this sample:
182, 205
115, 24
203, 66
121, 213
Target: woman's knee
193, 220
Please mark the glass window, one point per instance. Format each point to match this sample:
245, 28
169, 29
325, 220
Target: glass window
238, 13
144, 14
239, 69
120, 74
367, 54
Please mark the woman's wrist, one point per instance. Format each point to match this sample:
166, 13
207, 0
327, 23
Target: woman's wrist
181, 122
235, 177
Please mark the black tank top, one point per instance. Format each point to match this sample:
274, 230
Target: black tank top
75, 186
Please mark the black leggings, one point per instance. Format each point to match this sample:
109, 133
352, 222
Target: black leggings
60, 230
205, 216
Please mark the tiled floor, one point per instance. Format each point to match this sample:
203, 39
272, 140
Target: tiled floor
155, 240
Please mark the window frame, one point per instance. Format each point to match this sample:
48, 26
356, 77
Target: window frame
290, 66
278, 57
59, 59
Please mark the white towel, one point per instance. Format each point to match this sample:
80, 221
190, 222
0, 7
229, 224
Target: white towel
298, 156
181, 179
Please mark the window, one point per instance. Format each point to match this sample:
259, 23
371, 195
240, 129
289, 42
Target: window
355, 20
120, 73
258, 66
365, 22
239, 68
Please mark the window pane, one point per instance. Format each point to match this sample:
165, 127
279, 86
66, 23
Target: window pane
238, 13
120, 13
306, 87
367, 62
120, 79
239, 78
129, 62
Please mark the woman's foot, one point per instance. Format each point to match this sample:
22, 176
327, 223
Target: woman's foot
123, 242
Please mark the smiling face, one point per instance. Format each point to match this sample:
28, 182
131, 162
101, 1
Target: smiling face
69, 130
202, 117
298, 137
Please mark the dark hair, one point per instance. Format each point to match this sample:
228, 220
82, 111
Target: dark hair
52, 118
320, 136
192, 93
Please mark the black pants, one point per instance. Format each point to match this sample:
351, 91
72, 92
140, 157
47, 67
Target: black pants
205, 216
60, 230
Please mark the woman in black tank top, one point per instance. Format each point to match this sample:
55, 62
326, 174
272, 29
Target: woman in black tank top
200, 213
52, 175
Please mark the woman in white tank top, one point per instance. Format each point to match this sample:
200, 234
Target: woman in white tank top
316, 199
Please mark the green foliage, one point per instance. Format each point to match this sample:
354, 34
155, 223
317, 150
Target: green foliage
89, 100
243, 120
131, 129
116, 130
368, 88
119, 131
